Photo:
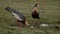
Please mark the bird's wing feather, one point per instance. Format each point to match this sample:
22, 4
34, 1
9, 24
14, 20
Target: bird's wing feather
16, 13
17, 17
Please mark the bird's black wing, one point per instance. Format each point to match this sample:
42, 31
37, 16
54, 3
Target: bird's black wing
20, 15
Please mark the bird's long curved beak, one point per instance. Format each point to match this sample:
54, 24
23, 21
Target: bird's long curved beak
26, 23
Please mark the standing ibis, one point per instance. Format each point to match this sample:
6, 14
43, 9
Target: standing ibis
35, 15
19, 16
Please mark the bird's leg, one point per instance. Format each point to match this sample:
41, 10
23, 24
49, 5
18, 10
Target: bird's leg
18, 24
37, 21
34, 21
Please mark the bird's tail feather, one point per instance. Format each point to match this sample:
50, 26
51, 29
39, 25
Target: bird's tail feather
9, 9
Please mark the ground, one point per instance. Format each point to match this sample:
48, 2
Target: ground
49, 12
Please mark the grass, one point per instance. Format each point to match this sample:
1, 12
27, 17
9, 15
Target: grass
49, 13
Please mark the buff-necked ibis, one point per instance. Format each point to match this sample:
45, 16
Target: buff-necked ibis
35, 13
19, 16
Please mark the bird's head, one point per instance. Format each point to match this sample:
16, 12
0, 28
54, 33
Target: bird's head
36, 5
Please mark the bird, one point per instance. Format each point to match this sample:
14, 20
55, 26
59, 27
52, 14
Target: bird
20, 18
35, 13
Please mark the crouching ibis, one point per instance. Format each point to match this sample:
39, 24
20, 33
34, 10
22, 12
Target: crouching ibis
19, 16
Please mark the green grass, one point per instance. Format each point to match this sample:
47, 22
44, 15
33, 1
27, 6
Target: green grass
49, 12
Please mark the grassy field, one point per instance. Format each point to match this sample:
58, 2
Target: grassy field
49, 13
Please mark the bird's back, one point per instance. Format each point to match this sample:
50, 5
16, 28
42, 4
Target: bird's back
16, 13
